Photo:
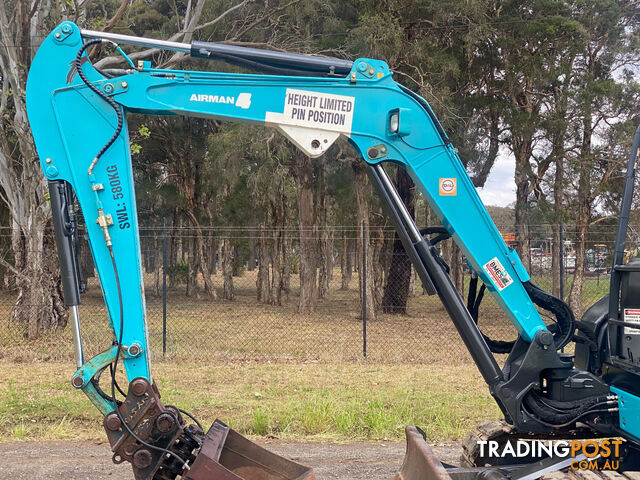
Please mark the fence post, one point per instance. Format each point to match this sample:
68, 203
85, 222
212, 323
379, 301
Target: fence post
561, 239
164, 286
364, 289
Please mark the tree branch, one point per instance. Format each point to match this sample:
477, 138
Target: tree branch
14, 270
223, 14
258, 21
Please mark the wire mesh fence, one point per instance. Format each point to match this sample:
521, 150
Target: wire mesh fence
257, 308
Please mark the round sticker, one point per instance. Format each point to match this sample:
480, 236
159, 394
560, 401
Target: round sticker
447, 185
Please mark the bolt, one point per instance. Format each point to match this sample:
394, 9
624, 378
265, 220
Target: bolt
108, 87
139, 387
77, 381
142, 459
48, 160
383, 150
112, 422
545, 338
371, 71
353, 77
130, 449
315, 144
165, 423
134, 350
372, 152
66, 28
124, 84
362, 67
57, 35
52, 171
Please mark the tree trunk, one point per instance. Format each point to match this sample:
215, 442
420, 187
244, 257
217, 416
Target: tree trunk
157, 271
276, 251
345, 264
523, 237
227, 269
557, 250
457, 267
213, 256
323, 213
377, 247
192, 275
286, 265
396, 290
262, 282
308, 238
362, 201
251, 266
200, 249
39, 303
584, 213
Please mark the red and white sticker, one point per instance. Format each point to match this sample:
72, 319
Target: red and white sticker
499, 276
632, 315
448, 186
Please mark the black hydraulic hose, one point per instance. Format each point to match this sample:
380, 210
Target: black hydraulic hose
116, 134
115, 368
551, 415
564, 315
474, 298
101, 94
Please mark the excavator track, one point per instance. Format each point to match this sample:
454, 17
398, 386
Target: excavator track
502, 432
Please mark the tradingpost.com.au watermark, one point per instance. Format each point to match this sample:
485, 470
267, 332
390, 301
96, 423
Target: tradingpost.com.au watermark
588, 455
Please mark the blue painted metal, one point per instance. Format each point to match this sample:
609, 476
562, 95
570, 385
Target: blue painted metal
629, 406
89, 370
70, 124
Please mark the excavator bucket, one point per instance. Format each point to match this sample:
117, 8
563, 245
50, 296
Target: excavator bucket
420, 463
227, 455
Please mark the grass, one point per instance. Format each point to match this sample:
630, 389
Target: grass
243, 329
313, 401
268, 370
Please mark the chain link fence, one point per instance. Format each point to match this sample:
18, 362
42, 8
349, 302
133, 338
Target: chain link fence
256, 312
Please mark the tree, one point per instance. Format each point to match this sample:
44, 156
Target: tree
396, 290
602, 104
39, 304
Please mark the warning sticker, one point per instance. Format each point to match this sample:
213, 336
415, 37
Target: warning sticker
501, 279
315, 110
632, 315
448, 186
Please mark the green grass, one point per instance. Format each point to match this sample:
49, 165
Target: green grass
315, 401
317, 387
205, 329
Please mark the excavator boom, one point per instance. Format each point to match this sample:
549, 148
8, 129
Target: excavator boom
78, 118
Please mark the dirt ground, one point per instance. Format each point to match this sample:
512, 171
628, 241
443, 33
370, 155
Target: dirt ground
74, 460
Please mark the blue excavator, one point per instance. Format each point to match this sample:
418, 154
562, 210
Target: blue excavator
78, 113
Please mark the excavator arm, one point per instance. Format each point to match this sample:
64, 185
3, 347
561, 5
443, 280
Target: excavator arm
78, 118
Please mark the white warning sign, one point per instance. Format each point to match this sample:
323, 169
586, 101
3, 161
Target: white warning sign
500, 277
325, 111
632, 315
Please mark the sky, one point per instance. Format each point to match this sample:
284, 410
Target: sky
500, 189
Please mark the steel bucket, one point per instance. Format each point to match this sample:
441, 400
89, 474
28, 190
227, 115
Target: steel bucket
227, 455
